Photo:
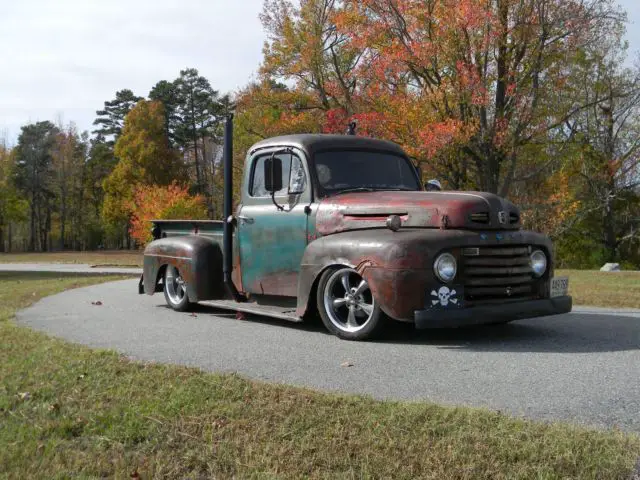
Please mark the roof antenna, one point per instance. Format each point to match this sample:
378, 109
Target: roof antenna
351, 130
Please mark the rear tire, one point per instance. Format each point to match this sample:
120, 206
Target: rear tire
346, 305
175, 290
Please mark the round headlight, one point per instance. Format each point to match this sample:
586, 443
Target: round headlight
538, 262
445, 267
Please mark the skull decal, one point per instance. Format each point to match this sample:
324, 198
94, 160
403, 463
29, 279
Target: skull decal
443, 296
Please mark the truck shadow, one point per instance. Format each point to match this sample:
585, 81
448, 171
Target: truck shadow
575, 333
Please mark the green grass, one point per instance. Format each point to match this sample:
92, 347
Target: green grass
68, 411
604, 289
120, 258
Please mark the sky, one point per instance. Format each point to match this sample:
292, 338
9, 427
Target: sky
64, 58
61, 59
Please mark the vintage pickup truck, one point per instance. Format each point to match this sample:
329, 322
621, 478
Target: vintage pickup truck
340, 226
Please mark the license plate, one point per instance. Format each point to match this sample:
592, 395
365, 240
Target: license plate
559, 286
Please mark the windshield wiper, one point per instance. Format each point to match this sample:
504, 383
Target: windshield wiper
355, 189
378, 189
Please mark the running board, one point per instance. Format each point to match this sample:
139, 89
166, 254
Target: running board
283, 313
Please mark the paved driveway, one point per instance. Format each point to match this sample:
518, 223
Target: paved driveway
582, 367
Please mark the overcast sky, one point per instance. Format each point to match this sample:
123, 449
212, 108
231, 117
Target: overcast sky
64, 58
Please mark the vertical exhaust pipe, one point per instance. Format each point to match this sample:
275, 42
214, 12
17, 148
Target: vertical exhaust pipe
227, 236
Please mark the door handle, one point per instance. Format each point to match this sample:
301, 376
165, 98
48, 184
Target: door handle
245, 219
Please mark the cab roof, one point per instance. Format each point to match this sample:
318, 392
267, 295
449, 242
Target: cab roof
311, 143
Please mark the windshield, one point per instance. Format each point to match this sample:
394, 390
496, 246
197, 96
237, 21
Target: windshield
361, 170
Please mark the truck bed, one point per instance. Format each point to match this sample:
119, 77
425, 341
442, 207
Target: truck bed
176, 228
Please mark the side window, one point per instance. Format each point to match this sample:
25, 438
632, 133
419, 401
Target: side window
294, 179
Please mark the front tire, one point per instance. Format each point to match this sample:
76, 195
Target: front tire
175, 290
346, 305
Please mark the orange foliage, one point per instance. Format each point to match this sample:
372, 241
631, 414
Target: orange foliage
162, 202
550, 206
454, 82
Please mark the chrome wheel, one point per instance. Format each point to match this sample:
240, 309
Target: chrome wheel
348, 301
175, 287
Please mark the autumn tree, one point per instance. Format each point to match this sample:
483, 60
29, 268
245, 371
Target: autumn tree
162, 202
13, 208
305, 46
68, 154
492, 74
306, 78
606, 136
145, 157
100, 163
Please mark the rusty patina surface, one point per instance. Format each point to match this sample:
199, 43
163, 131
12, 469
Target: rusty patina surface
197, 258
399, 265
351, 211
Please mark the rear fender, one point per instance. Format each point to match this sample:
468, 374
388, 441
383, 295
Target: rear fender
198, 259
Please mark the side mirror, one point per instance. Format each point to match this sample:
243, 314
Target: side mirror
433, 185
273, 174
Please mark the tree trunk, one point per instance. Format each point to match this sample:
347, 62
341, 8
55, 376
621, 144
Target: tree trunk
490, 172
32, 229
2, 249
609, 220
63, 220
609, 235
46, 239
195, 146
208, 179
127, 237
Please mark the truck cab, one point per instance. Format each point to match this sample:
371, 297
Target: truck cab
340, 226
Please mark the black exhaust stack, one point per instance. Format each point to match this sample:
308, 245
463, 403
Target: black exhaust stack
227, 237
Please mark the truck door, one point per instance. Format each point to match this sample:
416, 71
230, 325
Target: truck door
272, 239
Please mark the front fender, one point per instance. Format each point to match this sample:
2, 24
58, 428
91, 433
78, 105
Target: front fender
198, 259
397, 265
387, 260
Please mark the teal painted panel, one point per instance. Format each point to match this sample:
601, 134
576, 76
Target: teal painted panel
271, 245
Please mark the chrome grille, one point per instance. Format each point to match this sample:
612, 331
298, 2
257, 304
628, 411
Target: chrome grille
497, 275
479, 217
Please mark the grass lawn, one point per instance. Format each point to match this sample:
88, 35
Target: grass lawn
120, 258
604, 289
68, 411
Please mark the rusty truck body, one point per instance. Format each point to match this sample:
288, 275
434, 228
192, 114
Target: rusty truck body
340, 226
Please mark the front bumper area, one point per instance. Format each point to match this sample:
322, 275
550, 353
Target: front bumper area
485, 314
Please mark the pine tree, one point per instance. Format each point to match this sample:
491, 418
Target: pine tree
34, 178
111, 119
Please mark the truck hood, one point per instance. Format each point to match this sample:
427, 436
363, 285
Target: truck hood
459, 210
